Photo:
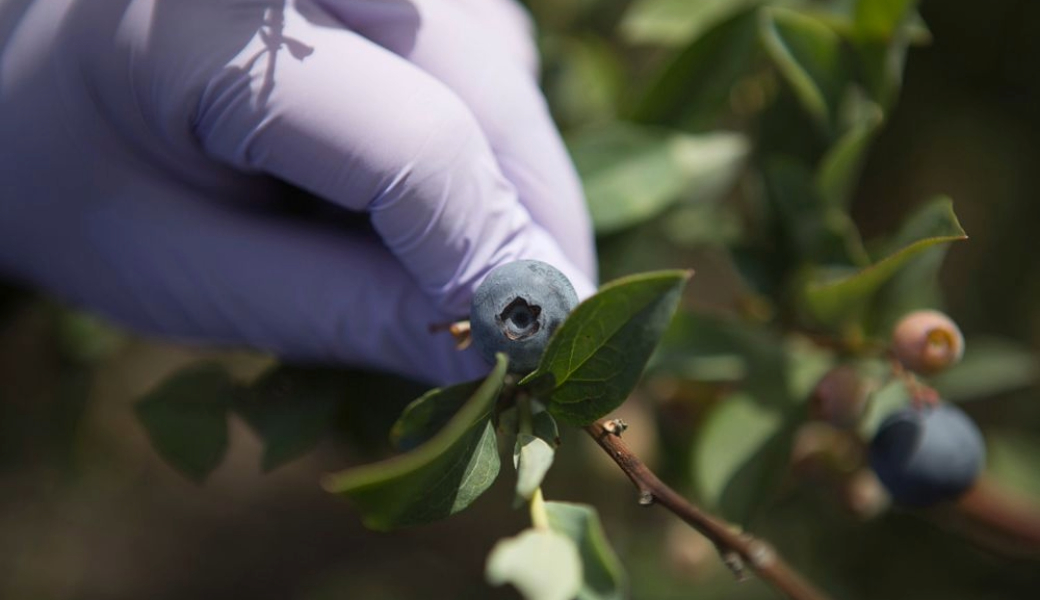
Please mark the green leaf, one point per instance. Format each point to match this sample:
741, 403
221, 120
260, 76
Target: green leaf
881, 18
915, 286
809, 55
989, 367
675, 22
541, 564
890, 398
603, 576
186, 418
814, 232
292, 409
544, 426
632, 173
695, 87
806, 363
595, 358
833, 298
699, 347
429, 413
718, 224
840, 167
934, 219
86, 338
585, 81
916, 29
883, 33
441, 477
738, 455
532, 458
881, 64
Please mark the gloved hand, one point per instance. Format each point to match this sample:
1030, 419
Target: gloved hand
145, 142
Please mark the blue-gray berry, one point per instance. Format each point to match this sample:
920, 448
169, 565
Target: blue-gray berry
517, 308
928, 455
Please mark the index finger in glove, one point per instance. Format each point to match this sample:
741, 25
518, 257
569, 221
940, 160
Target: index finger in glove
356, 124
484, 51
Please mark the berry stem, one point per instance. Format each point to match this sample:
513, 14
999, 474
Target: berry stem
525, 413
739, 550
539, 516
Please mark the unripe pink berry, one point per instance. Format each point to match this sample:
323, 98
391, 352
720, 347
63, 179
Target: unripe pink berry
864, 495
927, 341
840, 397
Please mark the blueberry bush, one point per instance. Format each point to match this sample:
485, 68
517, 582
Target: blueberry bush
789, 375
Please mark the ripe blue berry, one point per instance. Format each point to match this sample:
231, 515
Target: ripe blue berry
928, 455
517, 308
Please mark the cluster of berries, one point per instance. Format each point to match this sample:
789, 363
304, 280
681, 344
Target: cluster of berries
930, 451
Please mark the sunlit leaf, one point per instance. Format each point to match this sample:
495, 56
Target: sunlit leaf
594, 359
603, 576
541, 563
532, 458
632, 173
881, 18
675, 22
186, 418
439, 478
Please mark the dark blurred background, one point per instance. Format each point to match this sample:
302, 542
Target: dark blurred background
89, 511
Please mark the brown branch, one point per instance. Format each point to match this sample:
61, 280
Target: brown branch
995, 516
738, 550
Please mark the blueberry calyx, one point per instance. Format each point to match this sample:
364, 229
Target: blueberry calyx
519, 319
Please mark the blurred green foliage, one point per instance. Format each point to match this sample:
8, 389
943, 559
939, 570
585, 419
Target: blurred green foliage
799, 280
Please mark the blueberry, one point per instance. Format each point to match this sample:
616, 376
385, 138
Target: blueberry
928, 455
517, 308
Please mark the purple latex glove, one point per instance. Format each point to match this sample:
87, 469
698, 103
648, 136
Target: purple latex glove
145, 141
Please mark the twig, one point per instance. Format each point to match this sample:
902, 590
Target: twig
460, 330
738, 550
1004, 521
